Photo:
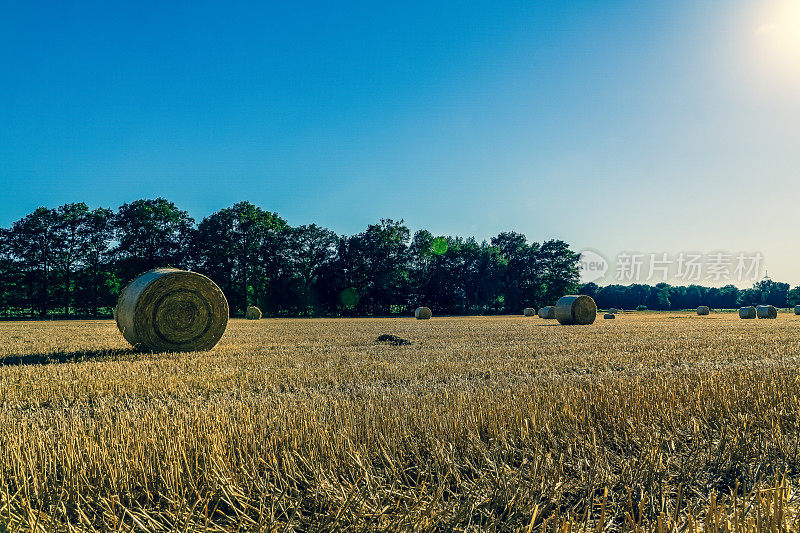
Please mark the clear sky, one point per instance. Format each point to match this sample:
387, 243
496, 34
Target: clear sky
616, 125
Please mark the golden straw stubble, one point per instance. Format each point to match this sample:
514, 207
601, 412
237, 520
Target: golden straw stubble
167, 309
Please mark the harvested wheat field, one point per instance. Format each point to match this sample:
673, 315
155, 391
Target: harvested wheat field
508, 423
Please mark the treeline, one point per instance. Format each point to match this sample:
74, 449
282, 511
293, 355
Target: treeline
73, 261
668, 297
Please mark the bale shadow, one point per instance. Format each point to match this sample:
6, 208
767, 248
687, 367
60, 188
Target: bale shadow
67, 357
393, 340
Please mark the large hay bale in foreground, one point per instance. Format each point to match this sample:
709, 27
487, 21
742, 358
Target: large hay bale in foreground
576, 309
703, 310
548, 312
747, 312
766, 311
529, 311
423, 313
253, 313
609, 316
797, 309
167, 309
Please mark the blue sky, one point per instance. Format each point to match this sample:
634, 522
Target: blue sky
616, 126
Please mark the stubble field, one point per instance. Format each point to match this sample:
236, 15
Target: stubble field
499, 423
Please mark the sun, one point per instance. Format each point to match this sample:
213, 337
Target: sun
777, 33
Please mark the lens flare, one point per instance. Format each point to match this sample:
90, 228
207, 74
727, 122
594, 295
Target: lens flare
349, 297
439, 246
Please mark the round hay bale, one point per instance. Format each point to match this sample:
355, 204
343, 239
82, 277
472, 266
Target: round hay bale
703, 310
548, 312
253, 313
747, 312
609, 316
167, 309
423, 313
529, 311
576, 309
797, 309
766, 311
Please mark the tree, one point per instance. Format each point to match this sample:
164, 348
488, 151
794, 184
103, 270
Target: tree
660, 297
9, 275
589, 289
434, 282
151, 234
98, 274
726, 297
81, 258
793, 297
612, 296
518, 269
69, 246
240, 248
309, 250
377, 263
560, 272
482, 268
32, 242
750, 296
772, 292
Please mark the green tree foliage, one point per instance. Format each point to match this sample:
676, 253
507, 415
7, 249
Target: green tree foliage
32, 243
73, 261
11, 296
98, 283
377, 264
559, 265
239, 247
772, 292
667, 297
518, 279
309, 251
151, 234
69, 247
793, 297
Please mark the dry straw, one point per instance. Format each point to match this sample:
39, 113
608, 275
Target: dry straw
548, 312
576, 309
703, 310
766, 311
747, 312
529, 311
172, 310
423, 313
253, 313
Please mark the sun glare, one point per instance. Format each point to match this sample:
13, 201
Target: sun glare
777, 37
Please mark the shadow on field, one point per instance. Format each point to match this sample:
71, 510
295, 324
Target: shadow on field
65, 357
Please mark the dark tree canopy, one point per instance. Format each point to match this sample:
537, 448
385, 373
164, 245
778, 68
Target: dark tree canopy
669, 297
238, 247
151, 234
73, 260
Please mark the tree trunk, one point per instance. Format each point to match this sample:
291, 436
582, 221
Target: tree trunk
94, 292
67, 286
